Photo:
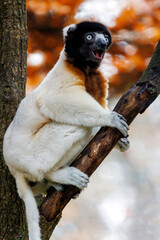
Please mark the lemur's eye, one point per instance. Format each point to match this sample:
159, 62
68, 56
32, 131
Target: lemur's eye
89, 37
106, 38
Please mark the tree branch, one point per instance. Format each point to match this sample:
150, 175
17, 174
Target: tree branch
134, 101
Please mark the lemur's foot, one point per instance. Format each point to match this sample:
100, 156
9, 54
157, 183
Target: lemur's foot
78, 178
67, 176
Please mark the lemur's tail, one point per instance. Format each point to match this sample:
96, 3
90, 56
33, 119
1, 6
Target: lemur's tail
32, 212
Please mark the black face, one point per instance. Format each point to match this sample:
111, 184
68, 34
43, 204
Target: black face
86, 44
94, 46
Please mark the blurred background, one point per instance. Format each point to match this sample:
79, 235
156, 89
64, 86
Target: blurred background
122, 201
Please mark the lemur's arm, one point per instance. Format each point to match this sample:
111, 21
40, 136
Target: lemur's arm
77, 107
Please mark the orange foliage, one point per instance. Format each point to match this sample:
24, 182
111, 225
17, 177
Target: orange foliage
135, 34
49, 13
46, 18
127, 19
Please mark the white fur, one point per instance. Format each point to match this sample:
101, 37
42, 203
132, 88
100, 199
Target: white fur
32, 212
65, 30
34, 150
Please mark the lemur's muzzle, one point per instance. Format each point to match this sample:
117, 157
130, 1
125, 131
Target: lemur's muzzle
99, 49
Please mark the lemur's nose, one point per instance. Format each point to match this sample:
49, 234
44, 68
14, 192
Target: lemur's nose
102, 44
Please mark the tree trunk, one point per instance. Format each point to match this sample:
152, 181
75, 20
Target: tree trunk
13, 54
13, 68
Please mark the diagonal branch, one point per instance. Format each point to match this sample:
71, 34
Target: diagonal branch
134, 101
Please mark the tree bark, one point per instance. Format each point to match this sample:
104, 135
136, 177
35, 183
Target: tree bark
134, 101
13, 68
13, 54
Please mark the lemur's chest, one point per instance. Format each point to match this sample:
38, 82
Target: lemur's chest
93, 81
96, 86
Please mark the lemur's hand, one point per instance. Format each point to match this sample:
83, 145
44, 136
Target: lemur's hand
119, 122
123, 144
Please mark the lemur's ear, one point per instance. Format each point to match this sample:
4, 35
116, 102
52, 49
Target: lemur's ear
69, 30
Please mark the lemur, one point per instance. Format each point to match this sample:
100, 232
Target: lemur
57, 119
